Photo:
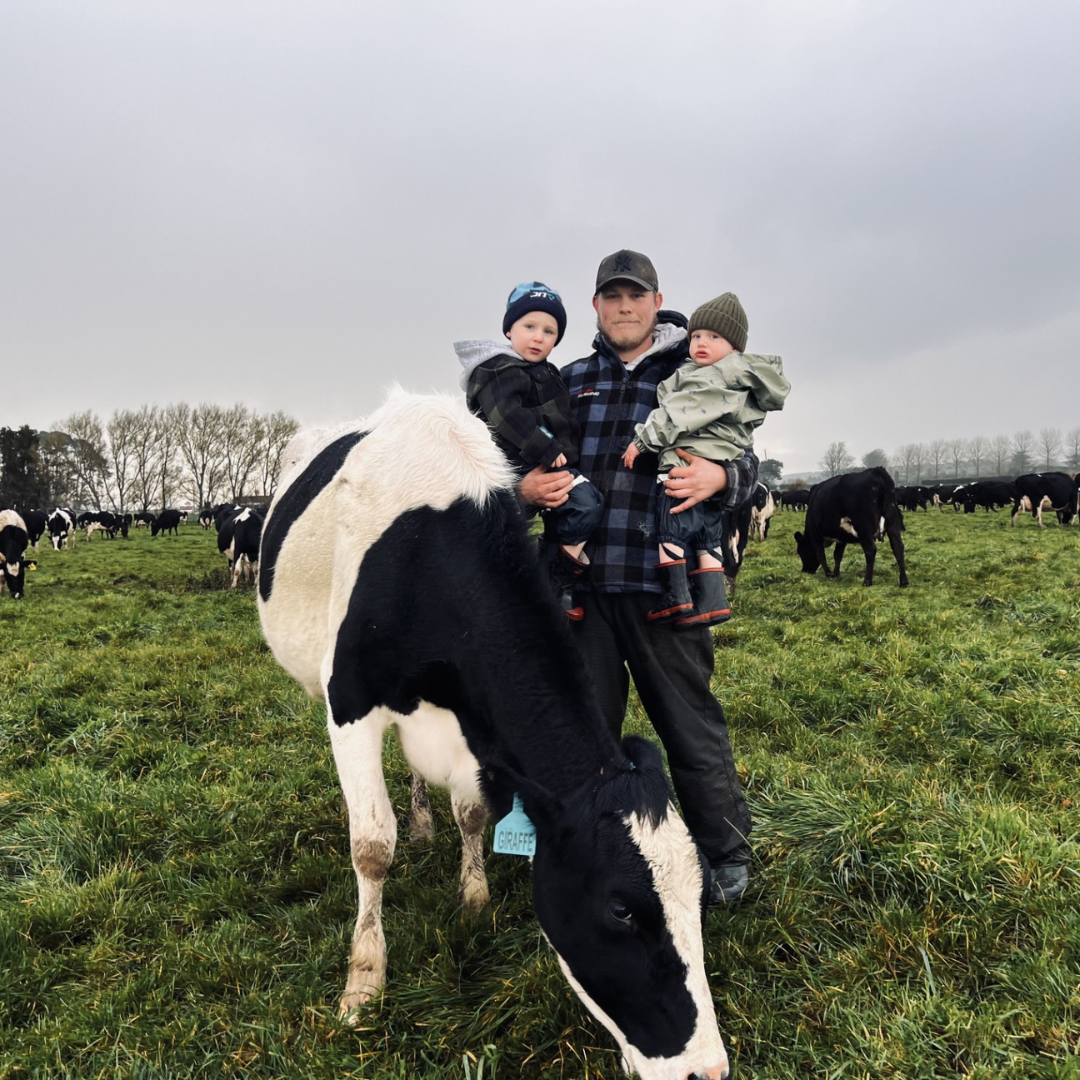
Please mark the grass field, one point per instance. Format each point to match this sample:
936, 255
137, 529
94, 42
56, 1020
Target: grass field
176, 897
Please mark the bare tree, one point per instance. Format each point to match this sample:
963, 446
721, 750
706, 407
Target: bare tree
58, 461
875, 459
89, 457
999, 448
1072, 447
120, 429
918, 461
167, 475
144, 455
978, 448
957, 450
1022, 443
1049, 444
278, 429
199, 437
242, 437
936, 454
836, 459
905, 459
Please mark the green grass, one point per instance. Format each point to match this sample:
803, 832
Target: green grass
176, 898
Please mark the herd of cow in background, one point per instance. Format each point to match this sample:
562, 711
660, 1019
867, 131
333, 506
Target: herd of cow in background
861, 507
239, 529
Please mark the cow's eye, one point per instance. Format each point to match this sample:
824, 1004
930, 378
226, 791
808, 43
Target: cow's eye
620, 912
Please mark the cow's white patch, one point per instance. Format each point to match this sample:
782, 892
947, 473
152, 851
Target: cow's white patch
673, 860
845, 524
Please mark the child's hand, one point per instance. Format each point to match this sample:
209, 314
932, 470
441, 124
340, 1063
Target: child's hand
559, 462
630, 456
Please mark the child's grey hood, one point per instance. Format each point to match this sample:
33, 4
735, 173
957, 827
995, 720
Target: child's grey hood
473, 353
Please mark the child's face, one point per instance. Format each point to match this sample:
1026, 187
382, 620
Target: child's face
534, 335
707, 346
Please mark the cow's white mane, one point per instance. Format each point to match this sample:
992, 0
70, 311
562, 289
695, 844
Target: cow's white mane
456, 446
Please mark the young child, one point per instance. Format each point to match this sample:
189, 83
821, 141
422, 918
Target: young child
522, 398
709, 407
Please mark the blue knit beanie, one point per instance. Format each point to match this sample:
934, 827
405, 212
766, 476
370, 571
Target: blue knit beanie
534, 296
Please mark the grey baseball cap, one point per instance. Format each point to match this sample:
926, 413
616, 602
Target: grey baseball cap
627, 265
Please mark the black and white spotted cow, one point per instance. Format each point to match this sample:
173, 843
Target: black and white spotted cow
397, 583
62, 528
238, 540
168, 521
855, 507
1055, 491
143, 520
13, 543
36, 522
762, 508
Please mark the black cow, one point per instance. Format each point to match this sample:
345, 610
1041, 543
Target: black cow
36, 522
13, 543
1055, 491
989, 494
206, 517
144, 520
914, 497
857, 506
796, 499
62, 528
168, 521
428, 611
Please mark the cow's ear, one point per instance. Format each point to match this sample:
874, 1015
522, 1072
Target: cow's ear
642, 753
500, 784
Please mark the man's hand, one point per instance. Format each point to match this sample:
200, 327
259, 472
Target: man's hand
694, 482
538, 487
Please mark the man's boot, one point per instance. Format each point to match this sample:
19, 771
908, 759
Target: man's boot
675, 599
711, 605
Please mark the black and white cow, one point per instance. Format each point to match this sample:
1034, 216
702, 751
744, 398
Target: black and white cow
168, 521
1055, 491
13, 543
397, 583
989, 494
144, 519
238, 540
762, 508
857, 507
206, 517
62, 528
36, 522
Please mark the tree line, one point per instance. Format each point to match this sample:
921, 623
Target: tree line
950, 459
144, 458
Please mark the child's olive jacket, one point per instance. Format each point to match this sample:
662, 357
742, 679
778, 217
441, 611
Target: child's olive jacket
712, 411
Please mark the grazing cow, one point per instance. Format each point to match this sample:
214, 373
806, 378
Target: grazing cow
206, 517
144, 520
856, 506
1055, 491
762, 507
397, 582
36, 521
989, 494
62, 528
915, 497
167, 521
13, 542
796, 499
238, 540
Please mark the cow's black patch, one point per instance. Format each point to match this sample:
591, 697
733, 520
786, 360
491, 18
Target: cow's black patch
317, 474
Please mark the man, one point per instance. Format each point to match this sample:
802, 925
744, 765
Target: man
613, 390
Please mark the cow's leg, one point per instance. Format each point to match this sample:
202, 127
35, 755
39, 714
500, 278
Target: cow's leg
896, 542
372, 838
870, 551
838, 554
471, 816
421, 825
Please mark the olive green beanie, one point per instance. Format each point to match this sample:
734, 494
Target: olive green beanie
724, 316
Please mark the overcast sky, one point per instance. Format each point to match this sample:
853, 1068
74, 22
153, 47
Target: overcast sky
294, 205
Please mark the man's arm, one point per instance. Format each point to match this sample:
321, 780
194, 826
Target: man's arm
538, 487
699, 479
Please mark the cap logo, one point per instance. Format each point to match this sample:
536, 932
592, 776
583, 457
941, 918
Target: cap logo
622, 263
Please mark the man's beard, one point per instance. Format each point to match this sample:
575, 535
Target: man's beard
627, 342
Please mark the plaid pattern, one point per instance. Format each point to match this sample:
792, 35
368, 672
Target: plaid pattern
609, 403
517, 399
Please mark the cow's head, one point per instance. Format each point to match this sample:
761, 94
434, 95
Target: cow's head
806, 554
619, 889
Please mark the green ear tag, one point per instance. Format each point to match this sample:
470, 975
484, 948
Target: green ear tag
515, 834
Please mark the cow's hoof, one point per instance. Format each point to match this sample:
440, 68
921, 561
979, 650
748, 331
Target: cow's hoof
474, 896
351, 1006
421, 825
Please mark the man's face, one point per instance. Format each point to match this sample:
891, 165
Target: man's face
626, 314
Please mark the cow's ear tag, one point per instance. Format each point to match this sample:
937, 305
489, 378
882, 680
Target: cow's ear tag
515, 834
